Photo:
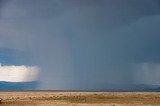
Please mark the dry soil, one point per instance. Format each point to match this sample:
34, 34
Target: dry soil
55, 98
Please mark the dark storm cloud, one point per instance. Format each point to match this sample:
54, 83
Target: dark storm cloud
98, 12
2, 4
78, 42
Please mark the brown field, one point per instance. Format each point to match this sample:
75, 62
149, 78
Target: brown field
52, 98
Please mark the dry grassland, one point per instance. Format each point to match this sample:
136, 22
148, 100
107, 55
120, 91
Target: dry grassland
53, 98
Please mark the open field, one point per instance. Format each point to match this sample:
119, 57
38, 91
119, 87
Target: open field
52, 98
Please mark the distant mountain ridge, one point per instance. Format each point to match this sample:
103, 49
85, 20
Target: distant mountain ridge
118, 87
108, 87
18, 85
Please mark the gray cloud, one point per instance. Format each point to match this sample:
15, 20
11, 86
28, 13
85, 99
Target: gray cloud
149, 71
79, 41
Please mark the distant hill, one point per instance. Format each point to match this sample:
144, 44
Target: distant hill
108, 87
156, 89
117, 87
18, 85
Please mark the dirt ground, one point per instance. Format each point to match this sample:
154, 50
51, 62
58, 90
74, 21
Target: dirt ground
53, 98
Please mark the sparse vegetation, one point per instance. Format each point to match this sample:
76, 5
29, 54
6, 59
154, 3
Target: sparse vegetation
0, 100
46, 98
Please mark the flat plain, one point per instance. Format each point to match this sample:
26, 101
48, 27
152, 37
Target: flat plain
68, 98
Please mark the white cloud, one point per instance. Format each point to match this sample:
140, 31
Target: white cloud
18, 73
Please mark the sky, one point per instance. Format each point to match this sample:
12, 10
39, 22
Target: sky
79, 44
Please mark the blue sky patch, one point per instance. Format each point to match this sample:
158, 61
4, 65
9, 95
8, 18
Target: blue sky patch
10, 56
